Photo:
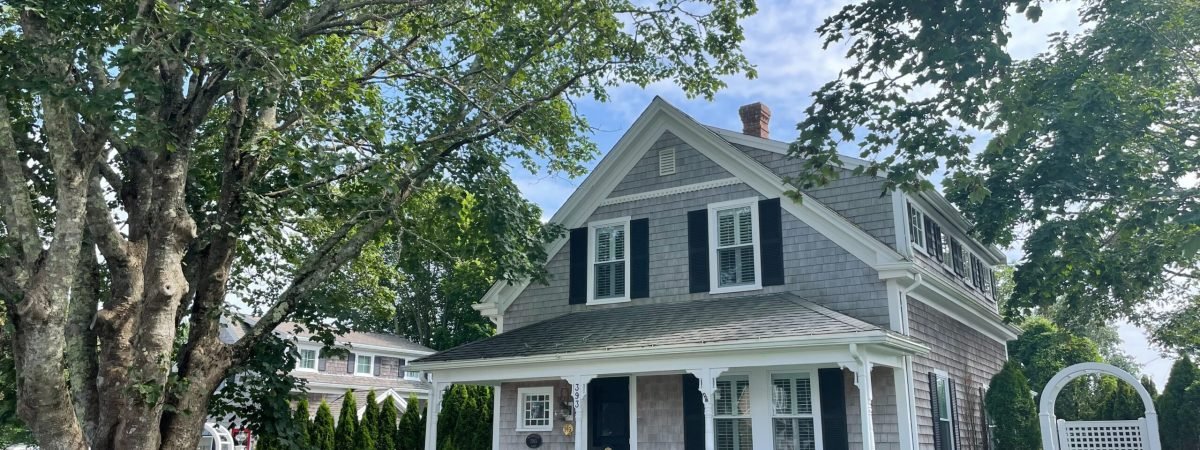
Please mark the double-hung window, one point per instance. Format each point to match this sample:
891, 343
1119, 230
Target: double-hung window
793, 421
308, 359
916, 233
535, 409
608, 253
960, 265
732, 413
733, 229
947, 254
364, 365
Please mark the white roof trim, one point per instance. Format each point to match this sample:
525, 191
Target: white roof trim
901, 345
660, 117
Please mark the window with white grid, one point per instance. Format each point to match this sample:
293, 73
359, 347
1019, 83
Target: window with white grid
308, 359
734, 230
608, 280
732, 413
793, 420
535, 410
916, 234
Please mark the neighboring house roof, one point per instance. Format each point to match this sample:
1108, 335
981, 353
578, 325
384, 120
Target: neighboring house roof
762, 317
362, 383
231, 332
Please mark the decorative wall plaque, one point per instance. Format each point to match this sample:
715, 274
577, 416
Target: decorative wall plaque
533, 440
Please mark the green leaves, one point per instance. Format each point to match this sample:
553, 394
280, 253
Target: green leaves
1092, 143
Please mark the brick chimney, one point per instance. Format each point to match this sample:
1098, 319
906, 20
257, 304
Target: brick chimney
755, 118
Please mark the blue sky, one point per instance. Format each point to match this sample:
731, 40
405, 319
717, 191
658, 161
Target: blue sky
782, 42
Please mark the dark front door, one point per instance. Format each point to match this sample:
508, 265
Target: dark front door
608, 413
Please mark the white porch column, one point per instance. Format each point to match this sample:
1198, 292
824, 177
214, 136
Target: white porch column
496, 394
579, 388
431, 414
708, 385
862, 379
906, 409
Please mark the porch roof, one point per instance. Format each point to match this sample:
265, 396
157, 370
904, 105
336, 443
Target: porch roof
761, 317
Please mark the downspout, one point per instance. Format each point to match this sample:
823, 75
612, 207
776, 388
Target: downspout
909, 378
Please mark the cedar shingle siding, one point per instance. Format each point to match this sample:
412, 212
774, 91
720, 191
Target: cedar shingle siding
968, 356
815, 268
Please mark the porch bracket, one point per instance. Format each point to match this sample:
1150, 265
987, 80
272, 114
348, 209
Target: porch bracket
862, 379
708, 385
431, 413
579, 384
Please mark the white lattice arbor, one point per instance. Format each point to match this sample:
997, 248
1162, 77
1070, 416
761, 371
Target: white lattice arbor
1141, 434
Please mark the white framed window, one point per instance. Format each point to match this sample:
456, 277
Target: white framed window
364, 365
608, 257
732, 413
535, 409
412, 375
795, 423
308, 359
916, 231
734, 261
947, 251
945, 412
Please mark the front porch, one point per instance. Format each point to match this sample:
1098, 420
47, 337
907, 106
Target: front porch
800, 377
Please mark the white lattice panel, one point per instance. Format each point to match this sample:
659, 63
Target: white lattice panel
1107, 435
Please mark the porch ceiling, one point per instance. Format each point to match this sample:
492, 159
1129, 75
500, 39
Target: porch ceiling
725, 320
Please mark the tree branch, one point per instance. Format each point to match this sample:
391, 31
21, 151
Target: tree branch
18, 211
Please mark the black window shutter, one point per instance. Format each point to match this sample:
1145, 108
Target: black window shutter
698, 250
833, 409
639, 261
693, 414
953, 411
377, 366
935, 412
770, 233
321, 364
938, 250
992, 279
577, 286
351, 361
930, 243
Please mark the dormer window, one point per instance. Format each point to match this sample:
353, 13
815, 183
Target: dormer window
308, 359
735, 245
364, 365
916, 220
608, 276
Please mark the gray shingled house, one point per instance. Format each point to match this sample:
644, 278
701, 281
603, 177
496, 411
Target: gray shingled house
695, 305
372, 361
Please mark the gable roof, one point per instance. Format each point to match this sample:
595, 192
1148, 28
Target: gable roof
648, 326
233, 328
660, 117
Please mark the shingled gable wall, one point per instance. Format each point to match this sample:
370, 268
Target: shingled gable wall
815, 267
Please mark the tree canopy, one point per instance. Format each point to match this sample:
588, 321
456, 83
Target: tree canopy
177, 155
1091, 158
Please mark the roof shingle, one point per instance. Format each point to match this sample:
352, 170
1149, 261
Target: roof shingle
642, 326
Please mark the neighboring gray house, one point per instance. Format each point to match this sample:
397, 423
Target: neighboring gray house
375, 361
695, 305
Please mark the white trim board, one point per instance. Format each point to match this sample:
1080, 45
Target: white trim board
670, 191
660, 117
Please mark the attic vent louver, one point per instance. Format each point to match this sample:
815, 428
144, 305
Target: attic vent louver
666, 161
